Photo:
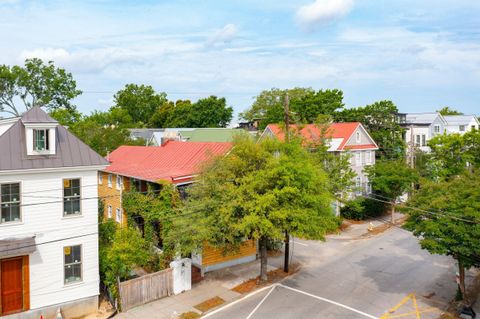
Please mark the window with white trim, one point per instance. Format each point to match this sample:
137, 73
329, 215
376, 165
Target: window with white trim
100, 178
368, 155
72, 263
10, 203
358, 158
119, 182
358, 185
436, 129
461, 128
118, 215
71, 197
357, 137
40, 140
424, 140
417, 140
110, 180
109, 211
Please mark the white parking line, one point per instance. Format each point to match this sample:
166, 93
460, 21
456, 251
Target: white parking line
260, 303
329, 301
272, 287
237, 301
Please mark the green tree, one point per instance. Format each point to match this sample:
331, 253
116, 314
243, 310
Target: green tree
391, 179
66, 117
448, 111
102, 138
306, 105
36, 84
211, 112
258, 191
452, 154
121, 249
448, 222
140, 102
379, 119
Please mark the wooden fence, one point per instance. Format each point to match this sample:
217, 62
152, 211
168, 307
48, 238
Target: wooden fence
144, 289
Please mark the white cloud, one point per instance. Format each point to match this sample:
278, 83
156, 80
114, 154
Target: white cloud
224, 35
322, 11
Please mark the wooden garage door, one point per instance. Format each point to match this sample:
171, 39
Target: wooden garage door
11, 285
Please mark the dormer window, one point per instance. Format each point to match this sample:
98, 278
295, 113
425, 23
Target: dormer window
41, 140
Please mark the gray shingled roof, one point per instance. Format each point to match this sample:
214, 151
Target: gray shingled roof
36, 115
458, 119
70, 151
421, 118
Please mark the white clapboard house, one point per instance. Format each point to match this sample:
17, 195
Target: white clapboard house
48, 221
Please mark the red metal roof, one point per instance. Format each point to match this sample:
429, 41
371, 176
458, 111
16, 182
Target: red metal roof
311, 132
174, 162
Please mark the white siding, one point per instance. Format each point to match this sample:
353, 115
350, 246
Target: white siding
47, 223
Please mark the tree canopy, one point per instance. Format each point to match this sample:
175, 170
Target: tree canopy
448, 222
258, 191
451, 154
448, 111
206, 112
36, 84
139, 101
306, 105
390, 179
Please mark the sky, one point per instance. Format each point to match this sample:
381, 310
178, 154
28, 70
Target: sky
421, 54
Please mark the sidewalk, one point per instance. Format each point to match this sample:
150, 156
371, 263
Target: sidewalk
359, 230
216, 284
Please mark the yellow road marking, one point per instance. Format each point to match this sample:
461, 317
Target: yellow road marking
416, 312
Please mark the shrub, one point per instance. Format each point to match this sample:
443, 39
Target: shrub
354, 209
362, 208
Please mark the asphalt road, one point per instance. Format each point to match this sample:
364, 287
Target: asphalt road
362, 278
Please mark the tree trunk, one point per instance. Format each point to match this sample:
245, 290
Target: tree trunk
393, 213
461, 284
263, 259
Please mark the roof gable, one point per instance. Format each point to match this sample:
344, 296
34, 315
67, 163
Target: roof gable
338, 133
70, 150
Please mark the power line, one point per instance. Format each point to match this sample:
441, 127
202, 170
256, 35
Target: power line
425, 211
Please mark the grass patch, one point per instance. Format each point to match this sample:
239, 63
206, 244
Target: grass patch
209, 304
189, 315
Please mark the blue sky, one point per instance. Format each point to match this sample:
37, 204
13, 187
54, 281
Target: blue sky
421, 54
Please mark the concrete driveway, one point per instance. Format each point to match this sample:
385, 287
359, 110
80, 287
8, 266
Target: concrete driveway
364, 278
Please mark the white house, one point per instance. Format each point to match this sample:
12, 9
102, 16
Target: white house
461, 123
48, 220
422, 127
342, 138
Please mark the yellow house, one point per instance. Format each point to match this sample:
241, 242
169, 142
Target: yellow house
175, 162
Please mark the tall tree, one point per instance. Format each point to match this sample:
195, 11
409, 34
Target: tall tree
379, 119
448, 111
448, 222
258, 191
211, 112
206, 112
391, 179
306, 105
140, 101
452, 154
36, 84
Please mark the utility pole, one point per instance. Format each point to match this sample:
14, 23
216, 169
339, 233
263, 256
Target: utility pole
287, 139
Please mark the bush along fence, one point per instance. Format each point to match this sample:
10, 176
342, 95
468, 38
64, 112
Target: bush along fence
150, 287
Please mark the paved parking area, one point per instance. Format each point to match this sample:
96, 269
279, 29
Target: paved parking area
385, 276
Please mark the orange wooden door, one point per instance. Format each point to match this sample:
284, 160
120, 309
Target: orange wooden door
11, 285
